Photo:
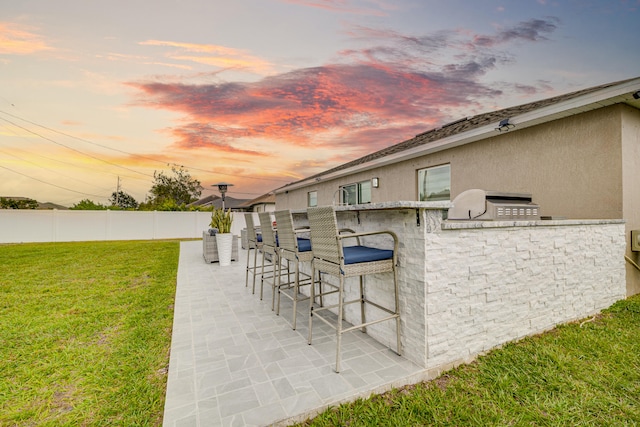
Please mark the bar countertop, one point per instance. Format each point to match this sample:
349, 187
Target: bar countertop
401, 204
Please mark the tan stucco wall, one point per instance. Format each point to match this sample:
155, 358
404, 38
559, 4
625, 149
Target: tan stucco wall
630, 119
572, 166
579, 167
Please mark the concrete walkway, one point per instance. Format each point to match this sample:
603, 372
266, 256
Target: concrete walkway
235, 363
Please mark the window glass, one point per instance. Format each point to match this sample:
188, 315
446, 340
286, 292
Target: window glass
312, 199
434, 183
358, 193
364, 192
349, 194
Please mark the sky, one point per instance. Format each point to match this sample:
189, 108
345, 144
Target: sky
96, 96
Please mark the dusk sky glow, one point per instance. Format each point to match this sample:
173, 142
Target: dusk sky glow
260, 93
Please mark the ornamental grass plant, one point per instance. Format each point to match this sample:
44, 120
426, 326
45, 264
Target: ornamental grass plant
86, 332
221, 220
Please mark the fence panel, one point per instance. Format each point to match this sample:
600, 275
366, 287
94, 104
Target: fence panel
22, 225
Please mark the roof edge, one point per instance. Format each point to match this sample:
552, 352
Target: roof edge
531, 118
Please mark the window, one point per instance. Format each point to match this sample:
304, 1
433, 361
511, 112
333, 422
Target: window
356, 194
434, 183
312, 199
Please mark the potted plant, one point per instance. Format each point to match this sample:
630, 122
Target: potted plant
221, 221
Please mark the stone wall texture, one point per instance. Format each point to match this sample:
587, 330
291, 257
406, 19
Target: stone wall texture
468, 287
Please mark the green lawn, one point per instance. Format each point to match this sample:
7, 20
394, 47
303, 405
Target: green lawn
85, 332
581, 374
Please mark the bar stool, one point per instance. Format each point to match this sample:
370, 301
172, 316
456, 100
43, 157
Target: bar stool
295, 250
331, 257
254, 241
269, 246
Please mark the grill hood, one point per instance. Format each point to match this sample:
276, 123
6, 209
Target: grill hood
476, 204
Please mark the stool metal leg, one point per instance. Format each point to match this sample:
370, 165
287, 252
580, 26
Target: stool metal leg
255, 267
339, 325
246, 280
362, 315
311, 299
261, 275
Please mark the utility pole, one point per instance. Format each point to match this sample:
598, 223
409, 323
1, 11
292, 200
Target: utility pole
118, 192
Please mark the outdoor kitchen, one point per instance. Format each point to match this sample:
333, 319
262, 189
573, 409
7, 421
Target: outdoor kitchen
484, 270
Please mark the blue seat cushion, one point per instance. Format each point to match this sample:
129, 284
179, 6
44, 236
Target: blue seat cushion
356, 254
304, 245
259, 237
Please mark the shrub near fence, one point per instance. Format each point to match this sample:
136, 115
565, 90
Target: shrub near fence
19, 226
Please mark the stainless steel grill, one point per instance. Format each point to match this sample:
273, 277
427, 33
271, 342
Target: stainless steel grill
493, 205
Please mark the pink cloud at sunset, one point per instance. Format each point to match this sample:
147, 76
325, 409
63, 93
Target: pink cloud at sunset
264, 92
18, 40
370, 99
218, 56
374, 8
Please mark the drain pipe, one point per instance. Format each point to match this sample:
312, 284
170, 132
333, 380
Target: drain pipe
632, 262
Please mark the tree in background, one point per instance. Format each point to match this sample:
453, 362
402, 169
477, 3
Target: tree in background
172, 192
9, 203
123, 200
88, 205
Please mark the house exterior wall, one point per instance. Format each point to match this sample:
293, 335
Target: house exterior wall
585, 166
630, 119
264, 207
571, 166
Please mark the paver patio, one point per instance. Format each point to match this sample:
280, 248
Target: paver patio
235, 363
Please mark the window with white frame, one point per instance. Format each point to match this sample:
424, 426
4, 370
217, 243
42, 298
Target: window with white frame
356, 194
434, 183
312, 199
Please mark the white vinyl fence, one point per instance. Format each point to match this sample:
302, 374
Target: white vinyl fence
23, 225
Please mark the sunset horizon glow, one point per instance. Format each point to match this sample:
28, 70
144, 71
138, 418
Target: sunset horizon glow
267, 92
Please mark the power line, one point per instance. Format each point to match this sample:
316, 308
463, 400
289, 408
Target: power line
73, 149
82, 139
48, 183
75, 165
42, 167
132, 154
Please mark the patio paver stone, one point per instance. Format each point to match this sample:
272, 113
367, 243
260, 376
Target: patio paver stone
234, 362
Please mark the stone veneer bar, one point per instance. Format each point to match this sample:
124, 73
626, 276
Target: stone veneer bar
469, 286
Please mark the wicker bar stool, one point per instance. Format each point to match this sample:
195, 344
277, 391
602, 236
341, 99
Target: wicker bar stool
254, 241
269, 246
295, 250
330, 256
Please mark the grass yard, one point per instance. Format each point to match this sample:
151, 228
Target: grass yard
580, 374
85, 332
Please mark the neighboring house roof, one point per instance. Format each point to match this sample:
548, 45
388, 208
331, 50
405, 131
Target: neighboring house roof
205, 201
265, 199
216, 201
41, 205
481, 126
49, 205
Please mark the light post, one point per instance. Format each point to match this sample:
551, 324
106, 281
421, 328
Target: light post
222, 187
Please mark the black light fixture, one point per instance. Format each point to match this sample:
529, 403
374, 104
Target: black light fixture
375, 182
636, 95
222, 187
505, 125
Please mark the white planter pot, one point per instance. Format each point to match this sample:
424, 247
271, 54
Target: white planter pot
224, 242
